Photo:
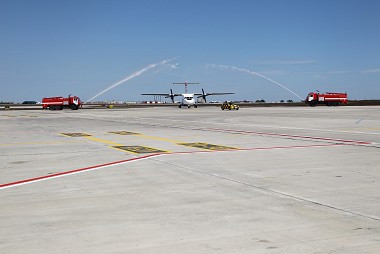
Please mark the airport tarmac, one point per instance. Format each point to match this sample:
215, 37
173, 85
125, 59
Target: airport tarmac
169, 180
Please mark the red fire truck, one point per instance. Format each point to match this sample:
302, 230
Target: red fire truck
329, 99
58, 103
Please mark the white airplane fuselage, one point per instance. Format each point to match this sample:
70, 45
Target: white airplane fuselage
188, 100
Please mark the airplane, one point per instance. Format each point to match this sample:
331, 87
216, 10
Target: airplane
187, 98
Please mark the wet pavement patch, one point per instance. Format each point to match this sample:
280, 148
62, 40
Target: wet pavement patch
207, 146
139, 149
18, 162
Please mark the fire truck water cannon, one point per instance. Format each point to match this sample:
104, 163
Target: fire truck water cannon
58, 103
329, 99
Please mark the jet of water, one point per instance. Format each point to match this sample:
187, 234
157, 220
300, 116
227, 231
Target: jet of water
133, 75
256, 74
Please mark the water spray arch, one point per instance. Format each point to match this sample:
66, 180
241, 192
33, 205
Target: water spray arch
256, 74
133, 75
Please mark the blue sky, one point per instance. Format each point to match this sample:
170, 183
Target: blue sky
55, 48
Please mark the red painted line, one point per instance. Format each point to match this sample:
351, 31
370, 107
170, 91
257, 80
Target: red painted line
81, 170
2, 186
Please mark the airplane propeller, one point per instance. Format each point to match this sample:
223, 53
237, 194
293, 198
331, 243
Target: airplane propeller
203, 96
171, 95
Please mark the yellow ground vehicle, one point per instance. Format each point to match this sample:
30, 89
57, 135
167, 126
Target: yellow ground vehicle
229, 105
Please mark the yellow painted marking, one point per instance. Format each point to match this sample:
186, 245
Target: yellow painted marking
89, 137
145, 136
103, 141
207, 146
197, 145
173, 141
139, 149
122, 150
159, 138
130, 149
112, 144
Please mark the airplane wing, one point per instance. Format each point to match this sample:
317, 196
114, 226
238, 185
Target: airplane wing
170, 95
207, 94
167, 95
204, 95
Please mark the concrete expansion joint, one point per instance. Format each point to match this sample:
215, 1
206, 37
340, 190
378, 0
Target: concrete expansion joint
267, 190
